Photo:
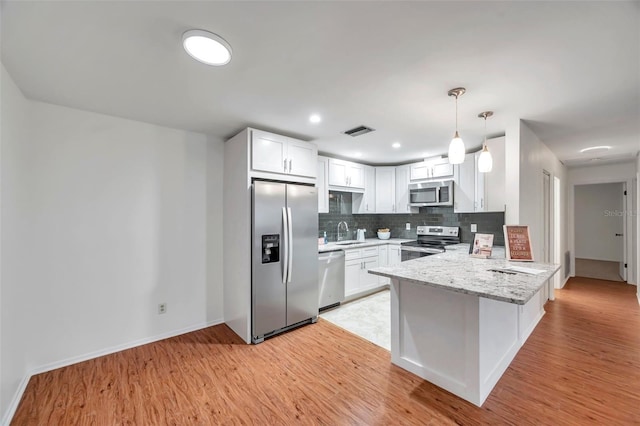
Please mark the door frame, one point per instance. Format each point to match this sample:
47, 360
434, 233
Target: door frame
631, 266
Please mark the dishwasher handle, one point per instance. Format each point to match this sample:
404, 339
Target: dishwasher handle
330, 255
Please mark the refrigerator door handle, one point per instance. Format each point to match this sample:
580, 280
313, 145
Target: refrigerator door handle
285, 244
289, 245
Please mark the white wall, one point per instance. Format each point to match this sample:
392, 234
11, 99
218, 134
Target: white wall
595, 229
14, 110
102, 219
606, 173
535, 157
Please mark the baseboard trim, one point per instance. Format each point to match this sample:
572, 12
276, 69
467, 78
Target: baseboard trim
638, 295
565, 281
13, 406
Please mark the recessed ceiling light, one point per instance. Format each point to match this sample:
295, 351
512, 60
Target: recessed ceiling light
358, 154
396, 145
595, 148
206, 47
315, 118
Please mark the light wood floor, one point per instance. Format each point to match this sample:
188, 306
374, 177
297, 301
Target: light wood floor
600, 269
580, 366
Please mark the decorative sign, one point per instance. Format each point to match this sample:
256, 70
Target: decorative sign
518, 243
482, 245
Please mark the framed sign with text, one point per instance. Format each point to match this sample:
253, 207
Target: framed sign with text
517, 243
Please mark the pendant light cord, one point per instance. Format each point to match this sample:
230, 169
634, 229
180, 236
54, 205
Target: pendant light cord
456, 114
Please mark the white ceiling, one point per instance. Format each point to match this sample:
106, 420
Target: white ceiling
570, 69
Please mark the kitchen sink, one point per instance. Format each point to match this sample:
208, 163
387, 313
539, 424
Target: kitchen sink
348, 243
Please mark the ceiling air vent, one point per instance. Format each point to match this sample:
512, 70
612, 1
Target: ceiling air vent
357, 131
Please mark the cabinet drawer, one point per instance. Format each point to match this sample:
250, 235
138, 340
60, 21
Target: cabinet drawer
370, 251
352, 254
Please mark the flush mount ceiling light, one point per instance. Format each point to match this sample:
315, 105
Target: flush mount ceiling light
596, 148
315, 118
485, 162
456, 147
206, 47
396, 145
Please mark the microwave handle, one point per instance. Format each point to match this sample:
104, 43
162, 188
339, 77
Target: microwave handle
437, 194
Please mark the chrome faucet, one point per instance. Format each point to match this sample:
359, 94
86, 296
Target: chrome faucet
346, 229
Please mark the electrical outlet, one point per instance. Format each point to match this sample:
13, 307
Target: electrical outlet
407, 227
162, 308
474, 227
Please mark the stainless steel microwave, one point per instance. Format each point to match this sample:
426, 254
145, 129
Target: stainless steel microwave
431, 193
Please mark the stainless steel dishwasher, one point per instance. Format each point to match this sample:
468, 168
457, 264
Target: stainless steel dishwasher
331, 278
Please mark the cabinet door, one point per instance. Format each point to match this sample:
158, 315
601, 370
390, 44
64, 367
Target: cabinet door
480, 205
402, 191
465, 186
441, 170
495, 180
352, 272
367, 280
268, 152
394, 255
355, 174
383, 260
337, 172
365, 202
385, 189
369, 189
301, 157
321, 183
420, 171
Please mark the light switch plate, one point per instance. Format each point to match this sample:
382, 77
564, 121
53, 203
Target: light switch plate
407, 227
474, 227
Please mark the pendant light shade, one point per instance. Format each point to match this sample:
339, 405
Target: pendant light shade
456, 150
456, 147
485, 161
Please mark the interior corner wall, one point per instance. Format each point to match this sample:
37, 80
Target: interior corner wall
14, 110
637, 240
215, 252
102, 219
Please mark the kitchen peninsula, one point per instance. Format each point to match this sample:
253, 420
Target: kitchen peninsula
458, 324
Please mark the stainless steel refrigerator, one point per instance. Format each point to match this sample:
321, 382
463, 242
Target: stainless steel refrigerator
284, 276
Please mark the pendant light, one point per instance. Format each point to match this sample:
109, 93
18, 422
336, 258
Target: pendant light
485, 162
456, 147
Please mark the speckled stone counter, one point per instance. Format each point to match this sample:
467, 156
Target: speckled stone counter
459, 325
455, 270
369, 242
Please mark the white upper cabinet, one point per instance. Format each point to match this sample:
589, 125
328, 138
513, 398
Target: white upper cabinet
346, 174
280, 154
385, 189
402, 190
322, 185
464, 192
481, 192
431, 169
494, 181
366, 202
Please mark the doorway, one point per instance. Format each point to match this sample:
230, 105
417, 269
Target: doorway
599, 230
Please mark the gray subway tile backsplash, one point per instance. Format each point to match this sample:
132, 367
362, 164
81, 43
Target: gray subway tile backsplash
340, 208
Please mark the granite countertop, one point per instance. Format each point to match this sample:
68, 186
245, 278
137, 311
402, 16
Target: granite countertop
455, 270
369, 242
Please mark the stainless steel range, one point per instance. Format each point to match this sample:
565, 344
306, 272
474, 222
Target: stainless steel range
431, 240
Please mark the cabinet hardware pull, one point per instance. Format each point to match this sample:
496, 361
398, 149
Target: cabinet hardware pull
290, 168
285, 165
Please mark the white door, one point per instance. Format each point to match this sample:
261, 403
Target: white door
352, 271
367, 280
337, 172
369, 189
301, 157
355, 173
268, 152
385, 189
480, 204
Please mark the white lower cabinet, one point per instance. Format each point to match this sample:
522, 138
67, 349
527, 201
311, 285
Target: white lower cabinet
395, 255
383, 260
356, 267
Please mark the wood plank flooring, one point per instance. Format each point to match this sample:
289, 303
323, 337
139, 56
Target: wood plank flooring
599, 269
580, 366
